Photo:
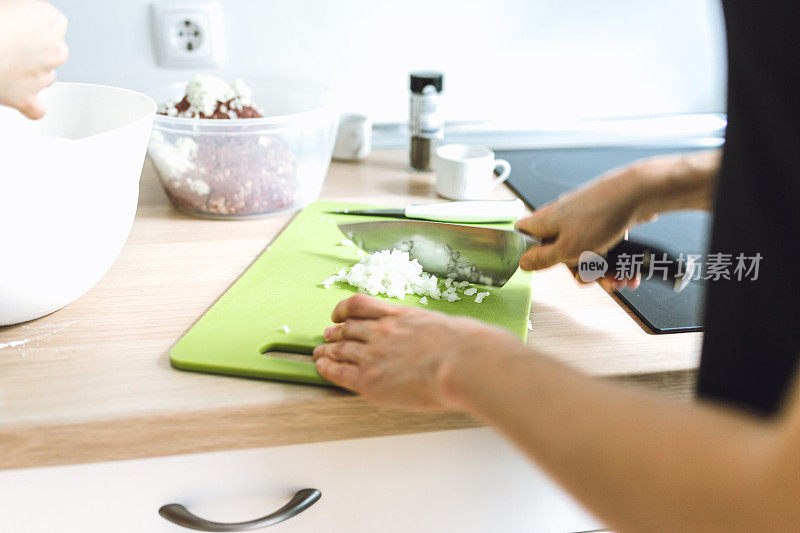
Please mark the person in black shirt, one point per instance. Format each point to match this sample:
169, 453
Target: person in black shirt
640, 462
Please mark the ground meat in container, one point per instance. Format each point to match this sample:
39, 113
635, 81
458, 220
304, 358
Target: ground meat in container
236, 175
230, 109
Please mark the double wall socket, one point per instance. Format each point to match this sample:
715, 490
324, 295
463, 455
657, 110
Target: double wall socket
188, 34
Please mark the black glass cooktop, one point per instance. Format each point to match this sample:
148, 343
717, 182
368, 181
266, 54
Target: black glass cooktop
541, 175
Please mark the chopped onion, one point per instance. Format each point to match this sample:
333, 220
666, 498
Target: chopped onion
394, 274
391, 273
480, 296
285, 328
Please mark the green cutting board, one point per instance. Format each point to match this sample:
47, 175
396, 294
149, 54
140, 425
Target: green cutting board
283, 288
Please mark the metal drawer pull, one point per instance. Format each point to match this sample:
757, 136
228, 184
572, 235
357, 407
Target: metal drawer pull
302, 500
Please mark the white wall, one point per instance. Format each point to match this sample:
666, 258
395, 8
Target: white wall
529, 59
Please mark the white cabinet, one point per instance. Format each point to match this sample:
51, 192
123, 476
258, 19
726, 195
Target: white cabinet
463, 480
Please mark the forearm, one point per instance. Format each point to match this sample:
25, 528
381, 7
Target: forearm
638, 461
670, 183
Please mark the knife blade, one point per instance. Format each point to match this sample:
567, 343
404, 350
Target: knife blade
482, 255
465, 253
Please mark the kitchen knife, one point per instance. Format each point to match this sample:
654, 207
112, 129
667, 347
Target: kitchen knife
468, 211
488, 256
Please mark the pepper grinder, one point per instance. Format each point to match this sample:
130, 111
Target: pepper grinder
425, 120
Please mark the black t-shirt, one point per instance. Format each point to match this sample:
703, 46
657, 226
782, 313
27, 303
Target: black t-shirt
752, 339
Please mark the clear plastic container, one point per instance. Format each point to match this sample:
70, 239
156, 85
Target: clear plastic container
250, 167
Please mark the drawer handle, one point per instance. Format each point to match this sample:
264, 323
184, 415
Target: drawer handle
302, 500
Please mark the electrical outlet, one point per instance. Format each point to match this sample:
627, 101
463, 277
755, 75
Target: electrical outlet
189, 34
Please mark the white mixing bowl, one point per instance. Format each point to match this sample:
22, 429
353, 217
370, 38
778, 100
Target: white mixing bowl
69, 185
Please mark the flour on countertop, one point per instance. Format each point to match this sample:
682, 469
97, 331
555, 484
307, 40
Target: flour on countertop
53, 329
15, 343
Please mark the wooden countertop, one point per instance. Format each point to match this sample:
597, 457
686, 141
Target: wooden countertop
93, 381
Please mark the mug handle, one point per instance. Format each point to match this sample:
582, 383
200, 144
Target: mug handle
504, 174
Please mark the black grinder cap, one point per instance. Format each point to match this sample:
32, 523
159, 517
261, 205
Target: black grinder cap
421, 79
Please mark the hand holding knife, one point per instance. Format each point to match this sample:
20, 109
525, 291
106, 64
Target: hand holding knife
494, 253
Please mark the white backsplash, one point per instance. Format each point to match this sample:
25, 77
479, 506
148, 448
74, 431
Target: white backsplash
530, 60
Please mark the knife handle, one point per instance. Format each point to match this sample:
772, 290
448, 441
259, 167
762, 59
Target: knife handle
469, 211
667, 268
621, 257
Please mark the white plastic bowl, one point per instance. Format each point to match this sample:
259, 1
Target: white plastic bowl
241, 168
69, 186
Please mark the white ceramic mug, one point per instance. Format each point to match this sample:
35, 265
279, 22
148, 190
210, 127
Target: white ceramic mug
467, 172
354, 138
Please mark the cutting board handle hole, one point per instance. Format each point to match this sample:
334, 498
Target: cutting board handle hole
286, 347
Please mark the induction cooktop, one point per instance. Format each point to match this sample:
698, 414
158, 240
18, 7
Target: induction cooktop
542, 175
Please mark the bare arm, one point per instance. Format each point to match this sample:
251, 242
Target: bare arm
676, 182
639, 461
